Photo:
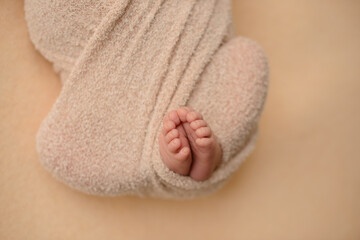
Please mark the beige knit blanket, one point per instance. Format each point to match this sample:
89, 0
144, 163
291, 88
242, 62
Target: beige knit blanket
124, 64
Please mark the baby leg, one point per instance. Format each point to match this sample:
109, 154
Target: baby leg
231, 92
226, 105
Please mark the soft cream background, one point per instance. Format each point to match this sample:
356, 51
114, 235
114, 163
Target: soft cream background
302, 181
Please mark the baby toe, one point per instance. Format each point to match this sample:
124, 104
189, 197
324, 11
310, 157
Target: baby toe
174, 145
181, 162
171, 135
204, 142
168, 125
197, 124
182, 112
193, 115
173, 115
183, 154
203, 132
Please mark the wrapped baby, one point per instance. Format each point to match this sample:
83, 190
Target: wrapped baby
158, 97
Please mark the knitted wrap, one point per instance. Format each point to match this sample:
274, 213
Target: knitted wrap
123, 66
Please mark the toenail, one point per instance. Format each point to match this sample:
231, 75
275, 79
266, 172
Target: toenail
185, 150
192, 116
173, 142
169, 124
202, 131
174, 132
172, 113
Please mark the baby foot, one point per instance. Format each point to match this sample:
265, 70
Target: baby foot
174, 146
187, 144
206, 151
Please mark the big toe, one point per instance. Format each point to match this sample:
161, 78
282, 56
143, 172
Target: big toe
179, 161
173, 116
182, 112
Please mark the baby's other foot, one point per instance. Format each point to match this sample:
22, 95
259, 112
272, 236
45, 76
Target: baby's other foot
206, 151
174, 146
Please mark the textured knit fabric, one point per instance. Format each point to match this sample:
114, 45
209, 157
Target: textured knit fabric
124, 65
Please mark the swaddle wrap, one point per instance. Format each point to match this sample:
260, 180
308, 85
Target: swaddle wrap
124, 65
